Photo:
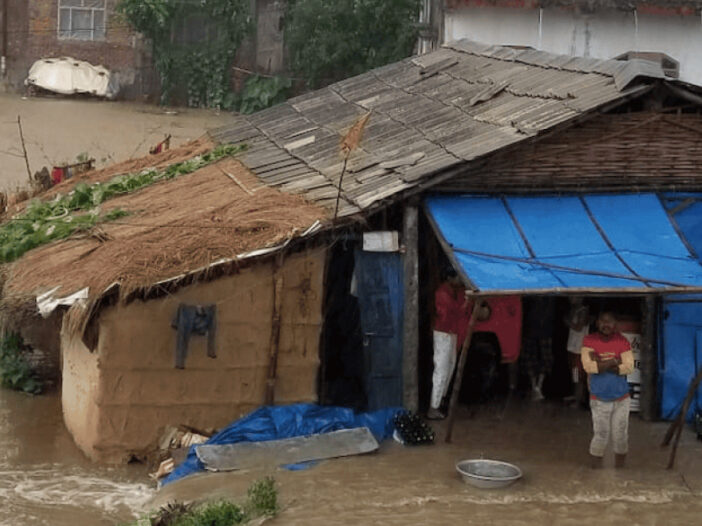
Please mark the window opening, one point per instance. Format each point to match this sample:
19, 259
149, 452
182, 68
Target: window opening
81, 19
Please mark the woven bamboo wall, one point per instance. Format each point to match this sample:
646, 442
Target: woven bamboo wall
610, 152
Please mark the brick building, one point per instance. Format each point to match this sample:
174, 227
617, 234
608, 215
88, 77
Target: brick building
84, 29
90, 30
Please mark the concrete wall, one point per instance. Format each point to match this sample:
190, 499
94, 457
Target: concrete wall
603, 34
33, 34
117, 399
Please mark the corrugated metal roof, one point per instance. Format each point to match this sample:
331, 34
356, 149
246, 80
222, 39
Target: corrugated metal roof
429, 113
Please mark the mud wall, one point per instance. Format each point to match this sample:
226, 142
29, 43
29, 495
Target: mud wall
118, 398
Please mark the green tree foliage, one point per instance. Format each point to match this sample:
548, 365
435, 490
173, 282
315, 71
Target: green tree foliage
333, 40
15, 371
262, 92
201, 68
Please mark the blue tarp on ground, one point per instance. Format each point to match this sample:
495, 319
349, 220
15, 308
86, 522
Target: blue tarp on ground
278, 422
552, 243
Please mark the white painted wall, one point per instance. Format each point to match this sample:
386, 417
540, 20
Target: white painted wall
604, 34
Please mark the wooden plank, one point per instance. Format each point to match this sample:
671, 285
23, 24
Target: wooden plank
463, 353
410, 341
275, 333
648, 401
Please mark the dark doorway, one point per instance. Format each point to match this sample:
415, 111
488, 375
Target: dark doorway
342, 376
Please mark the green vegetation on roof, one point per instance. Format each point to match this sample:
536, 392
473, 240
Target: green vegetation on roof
79, 210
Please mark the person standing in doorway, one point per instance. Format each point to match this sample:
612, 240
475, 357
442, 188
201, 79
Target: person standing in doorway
578, 323
607, 358
450, 327
537, 352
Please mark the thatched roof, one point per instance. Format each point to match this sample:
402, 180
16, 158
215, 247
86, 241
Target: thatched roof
174, 227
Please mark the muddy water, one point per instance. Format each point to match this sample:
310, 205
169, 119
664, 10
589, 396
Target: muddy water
403, 485
57, 130
45, 480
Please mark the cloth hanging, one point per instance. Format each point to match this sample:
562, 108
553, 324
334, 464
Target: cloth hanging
194, 319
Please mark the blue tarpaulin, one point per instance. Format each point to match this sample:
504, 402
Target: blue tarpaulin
680, 354
591, 242
277, 422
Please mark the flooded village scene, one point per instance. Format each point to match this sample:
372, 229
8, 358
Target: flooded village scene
313, 262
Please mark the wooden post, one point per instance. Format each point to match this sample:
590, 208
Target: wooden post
275, 335
410, 341
648, 402
462, 355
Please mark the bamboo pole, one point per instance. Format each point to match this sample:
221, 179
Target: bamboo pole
24, 148
678, 424
275, 337
463, 353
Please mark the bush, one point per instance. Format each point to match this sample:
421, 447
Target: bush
15, 371
262, 500
261, 92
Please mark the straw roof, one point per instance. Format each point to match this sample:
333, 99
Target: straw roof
173, 227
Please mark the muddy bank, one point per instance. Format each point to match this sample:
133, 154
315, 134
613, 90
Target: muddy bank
57, 130
401, 485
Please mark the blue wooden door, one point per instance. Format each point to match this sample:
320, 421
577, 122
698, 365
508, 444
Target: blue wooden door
680, 355
380, 295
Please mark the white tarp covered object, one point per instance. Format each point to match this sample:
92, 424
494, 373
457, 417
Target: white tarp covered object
69, 76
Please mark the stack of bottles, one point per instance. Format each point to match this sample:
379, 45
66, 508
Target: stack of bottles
412, 430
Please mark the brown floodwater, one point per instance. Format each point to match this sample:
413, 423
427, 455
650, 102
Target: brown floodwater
46, 480
58, 129
418, 485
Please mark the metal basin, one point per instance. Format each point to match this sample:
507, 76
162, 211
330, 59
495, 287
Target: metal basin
487, 474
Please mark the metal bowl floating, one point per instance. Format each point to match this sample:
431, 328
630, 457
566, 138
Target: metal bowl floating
488, 474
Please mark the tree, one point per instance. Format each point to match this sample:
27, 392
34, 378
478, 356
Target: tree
330, 40
201, 66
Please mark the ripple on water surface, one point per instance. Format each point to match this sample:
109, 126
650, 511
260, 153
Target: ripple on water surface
45, 480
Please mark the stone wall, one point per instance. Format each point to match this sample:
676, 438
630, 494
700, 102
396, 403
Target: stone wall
118, 398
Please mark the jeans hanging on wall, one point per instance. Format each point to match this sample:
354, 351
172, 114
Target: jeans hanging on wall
194, 319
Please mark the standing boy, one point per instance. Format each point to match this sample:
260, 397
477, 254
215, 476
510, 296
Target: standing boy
607, 358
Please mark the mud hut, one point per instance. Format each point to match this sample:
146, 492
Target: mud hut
187, 241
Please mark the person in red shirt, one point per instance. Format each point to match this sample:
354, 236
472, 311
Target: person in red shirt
607, 358
450, 326
499, 315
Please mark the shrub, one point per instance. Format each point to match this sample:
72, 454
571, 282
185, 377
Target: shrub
15, 371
